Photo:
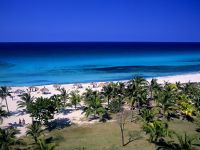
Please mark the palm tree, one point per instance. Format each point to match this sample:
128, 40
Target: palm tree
8, 138
120, 92
34, 131
43, 145
147, 115
87, 96
4, 93
75, 98
166, 103
3, 113
95, 107
43, 109
186, 109
167, 99
57, 100
64, 96
26, 100
184, 143
179, 85
118, 96
107, 91
137, 92
154, 88
156, 129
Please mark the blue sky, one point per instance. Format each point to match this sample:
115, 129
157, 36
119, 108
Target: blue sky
100, 20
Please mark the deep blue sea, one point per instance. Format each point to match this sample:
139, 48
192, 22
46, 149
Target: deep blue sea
23, 64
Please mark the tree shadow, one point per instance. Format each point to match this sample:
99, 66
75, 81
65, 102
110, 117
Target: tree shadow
59, 123
66, 111
162, 144
12, 113
15, 125
198, 130
134, 136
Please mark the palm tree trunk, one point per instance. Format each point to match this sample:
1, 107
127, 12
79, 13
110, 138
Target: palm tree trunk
1, 101
132, 105
151, 95
108, 101
122, 134
7, 105
139, 106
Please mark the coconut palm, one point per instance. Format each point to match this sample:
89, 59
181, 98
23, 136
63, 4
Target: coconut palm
87, 96
154, 88
43, 109
4, 93
8, 138
184, 143
147, 115
95, 107
3, 113
107, 91
64, 96
167, 99
118, 96
137, 91
57, 100
179, 85
186, 109
166, 103
157, 129
35, 131
75, 98
43, 145
191, 89
26, 100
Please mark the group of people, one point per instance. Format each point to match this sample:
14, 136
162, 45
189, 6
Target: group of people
22, 122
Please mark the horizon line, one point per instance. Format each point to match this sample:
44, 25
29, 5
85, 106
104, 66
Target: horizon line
99, 42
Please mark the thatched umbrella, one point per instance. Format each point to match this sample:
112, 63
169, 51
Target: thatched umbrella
44, 90
57, 86
33, 88
101, 84
19, 91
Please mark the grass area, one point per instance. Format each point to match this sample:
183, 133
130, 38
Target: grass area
106, 136
101, 136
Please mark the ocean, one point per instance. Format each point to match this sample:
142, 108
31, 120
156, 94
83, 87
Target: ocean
25, 64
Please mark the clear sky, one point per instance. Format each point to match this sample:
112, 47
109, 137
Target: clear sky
100, 20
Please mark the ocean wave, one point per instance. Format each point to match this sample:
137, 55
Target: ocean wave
4, 65
153, 69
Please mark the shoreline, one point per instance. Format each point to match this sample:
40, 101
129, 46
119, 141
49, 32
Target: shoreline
195, 77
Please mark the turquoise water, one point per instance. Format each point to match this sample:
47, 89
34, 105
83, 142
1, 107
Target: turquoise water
47, 63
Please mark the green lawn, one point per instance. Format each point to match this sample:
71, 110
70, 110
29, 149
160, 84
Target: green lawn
101, 136
106, 136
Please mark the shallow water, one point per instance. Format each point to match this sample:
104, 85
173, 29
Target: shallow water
47, 63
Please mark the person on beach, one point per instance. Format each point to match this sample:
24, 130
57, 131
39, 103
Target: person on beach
15, 125
23, 122
20, 122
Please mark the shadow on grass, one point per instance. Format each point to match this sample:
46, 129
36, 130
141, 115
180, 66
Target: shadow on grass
58, 124
171, 145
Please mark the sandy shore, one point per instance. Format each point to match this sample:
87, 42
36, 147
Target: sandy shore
71, 115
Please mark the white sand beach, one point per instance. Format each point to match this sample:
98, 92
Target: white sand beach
74, 116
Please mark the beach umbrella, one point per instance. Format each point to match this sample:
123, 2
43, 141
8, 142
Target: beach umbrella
101, 84
57, 86
33, 88
44, 90
19, 91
